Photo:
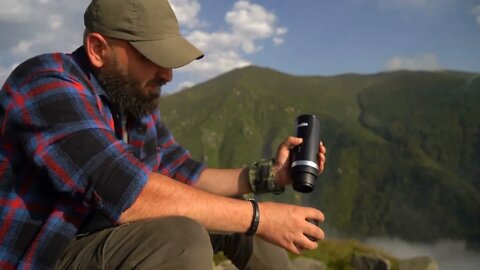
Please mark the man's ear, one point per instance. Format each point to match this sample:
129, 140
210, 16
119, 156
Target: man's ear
97, 49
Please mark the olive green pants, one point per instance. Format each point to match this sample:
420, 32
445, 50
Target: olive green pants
175, 243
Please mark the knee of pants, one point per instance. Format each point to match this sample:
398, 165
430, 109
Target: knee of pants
188, 238
165, 243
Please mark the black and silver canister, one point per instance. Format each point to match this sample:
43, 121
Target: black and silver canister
304, 167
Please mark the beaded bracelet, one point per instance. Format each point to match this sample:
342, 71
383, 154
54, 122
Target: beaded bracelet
261, 176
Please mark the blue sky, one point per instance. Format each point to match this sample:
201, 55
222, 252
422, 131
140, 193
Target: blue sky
302, 37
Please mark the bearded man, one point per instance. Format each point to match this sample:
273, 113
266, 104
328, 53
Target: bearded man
90, 177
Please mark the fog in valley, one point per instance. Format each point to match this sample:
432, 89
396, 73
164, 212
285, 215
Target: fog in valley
448, 254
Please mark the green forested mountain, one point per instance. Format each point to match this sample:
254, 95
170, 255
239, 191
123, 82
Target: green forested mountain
403, 147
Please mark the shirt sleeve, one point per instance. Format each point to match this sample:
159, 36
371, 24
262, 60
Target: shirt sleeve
62, 126
175, 161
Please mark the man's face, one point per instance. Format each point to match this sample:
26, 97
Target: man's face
132, 81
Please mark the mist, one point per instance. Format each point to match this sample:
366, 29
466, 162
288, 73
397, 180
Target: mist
448, 254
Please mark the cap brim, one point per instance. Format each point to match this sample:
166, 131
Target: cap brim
171, 52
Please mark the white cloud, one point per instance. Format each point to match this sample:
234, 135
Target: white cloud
476, 12
22, 47
278, 40
253, 22
16, 10
281, 31
38, 26
248, 25
41, 26
426, 62
214, 41
222, 53
55, 21
250, 20
186, 84
187, 13
27, 11
42, 41
218, 62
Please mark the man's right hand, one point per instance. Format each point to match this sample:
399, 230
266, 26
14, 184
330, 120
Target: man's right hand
286, 226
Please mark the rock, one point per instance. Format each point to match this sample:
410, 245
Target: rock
303, 263
299, 263
362, 261
225, 265
418, 263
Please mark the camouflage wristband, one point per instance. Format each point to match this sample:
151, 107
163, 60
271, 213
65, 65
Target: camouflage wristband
262, 177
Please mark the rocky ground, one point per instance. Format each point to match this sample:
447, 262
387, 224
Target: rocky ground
359, 262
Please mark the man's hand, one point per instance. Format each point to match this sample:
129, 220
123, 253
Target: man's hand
286, 226
283, 159
281, 224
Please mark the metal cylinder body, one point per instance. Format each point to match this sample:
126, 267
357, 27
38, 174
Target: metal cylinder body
304, 167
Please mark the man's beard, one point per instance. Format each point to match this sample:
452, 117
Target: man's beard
126, 92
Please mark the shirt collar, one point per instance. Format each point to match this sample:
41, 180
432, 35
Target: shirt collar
80, 57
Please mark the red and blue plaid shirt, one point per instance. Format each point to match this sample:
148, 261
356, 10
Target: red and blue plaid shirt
62, 158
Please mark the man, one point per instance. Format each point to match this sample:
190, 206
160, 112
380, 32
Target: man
92, 179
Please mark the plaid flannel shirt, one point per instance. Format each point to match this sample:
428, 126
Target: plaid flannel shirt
62, 158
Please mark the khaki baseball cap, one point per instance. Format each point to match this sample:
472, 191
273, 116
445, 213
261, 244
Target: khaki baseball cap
148, 25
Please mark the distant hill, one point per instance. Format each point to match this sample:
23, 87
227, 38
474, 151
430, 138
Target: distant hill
403, 147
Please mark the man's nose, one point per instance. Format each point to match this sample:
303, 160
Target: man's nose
165, 74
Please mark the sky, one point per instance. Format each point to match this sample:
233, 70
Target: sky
301, 37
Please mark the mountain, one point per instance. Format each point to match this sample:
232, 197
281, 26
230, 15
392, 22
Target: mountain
403, 147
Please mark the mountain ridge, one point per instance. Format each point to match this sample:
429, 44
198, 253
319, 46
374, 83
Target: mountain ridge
402, 143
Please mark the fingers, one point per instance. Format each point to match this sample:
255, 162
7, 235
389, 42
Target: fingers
315, 214
310, 231
290, 142
284, 148
294, 249
311, 235
306, 244
314, 231
322, 151
287, 226
312, 228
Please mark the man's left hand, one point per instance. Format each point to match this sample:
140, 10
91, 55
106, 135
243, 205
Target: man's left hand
283, 160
